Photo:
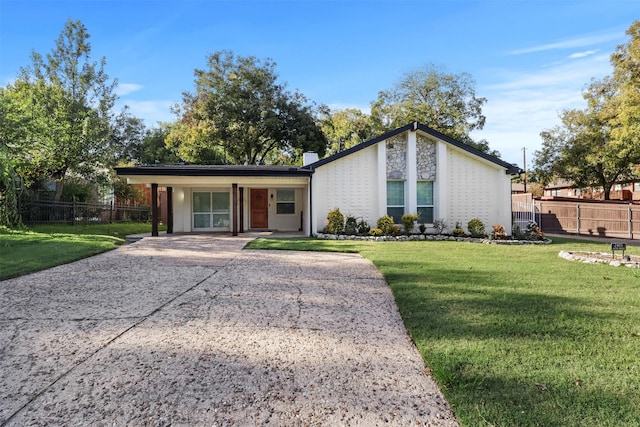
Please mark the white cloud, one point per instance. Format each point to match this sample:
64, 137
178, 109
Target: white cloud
584, 54
522, 105
127, 88
577, 42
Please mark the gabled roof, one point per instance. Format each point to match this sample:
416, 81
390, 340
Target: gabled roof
510, 168
213, 170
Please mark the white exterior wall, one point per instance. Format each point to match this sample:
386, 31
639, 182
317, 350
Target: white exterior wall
349, 184
181, 209
476, 189
286, 222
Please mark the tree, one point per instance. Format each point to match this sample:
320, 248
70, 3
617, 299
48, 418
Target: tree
127, 135
582, 149
443, 101
240, 114
599, 146
9, 215
153, 150
346, 128
626, 72
68, 101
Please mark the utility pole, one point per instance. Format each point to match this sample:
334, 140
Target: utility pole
524, 161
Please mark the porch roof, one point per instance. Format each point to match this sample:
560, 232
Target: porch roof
214, 170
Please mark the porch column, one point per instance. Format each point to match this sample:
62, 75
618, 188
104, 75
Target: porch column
169, 210
154, 210
241, 209
234, 209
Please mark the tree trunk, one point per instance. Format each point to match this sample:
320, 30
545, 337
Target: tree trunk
59, 187
607, 191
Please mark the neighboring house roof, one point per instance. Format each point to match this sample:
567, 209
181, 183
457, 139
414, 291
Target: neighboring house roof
214, 170
510, 168
558, 184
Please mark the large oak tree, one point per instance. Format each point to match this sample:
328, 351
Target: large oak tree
444, 101
240, 114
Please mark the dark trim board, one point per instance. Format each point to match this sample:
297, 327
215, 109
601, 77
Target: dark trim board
213, 170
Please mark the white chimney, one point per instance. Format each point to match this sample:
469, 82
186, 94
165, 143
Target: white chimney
308, 158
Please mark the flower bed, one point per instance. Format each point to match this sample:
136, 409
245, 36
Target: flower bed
432, 237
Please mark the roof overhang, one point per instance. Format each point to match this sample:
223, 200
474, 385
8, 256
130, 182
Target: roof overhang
192, 175
510, 169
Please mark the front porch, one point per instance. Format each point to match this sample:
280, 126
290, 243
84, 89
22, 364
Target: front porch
228, 199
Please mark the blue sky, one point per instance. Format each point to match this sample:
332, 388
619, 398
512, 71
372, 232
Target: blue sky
530, 59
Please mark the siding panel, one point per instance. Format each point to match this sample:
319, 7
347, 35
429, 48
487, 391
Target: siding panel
348, 184
476, 190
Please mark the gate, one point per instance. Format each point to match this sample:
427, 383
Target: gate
523, 210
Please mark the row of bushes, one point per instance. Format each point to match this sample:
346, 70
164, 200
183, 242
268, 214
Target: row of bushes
337, 223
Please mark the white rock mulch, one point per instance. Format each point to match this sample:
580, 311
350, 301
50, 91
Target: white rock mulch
601, 258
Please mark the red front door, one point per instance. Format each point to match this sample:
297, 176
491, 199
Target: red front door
259, 208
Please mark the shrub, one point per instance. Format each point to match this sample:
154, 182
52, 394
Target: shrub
440, 225
375, 232
534, 232
335, 222
518, 234
458, 231
350, 225
476, 228
363, 227
499, 232
395, 230
409, 222
385, 223
422, 228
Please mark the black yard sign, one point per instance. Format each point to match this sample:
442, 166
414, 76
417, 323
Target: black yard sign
618, 247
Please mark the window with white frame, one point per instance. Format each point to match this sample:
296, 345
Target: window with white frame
395, 200
211, 210
285, 201
425, 201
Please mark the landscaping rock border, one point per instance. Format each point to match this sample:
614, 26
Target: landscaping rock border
599, 258
431, 237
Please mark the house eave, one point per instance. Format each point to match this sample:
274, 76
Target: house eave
510, 169
213, 171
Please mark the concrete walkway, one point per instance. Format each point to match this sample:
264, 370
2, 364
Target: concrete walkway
191, 330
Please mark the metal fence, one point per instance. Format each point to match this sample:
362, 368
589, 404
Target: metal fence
523, 210
52, 212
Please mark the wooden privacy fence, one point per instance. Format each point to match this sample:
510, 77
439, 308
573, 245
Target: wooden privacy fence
591, 218
51, 212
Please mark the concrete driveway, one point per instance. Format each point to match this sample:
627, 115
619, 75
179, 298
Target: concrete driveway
192, 330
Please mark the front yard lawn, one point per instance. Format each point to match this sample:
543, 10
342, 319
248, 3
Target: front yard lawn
515, 335
45, 246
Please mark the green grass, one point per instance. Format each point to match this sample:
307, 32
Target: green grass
515, 335
45, 246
